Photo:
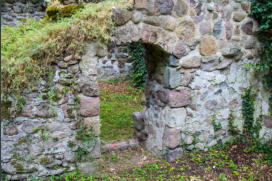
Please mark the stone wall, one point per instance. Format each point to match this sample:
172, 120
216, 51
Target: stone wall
196, 56
205, 47
14, 11
58, 128
114, 64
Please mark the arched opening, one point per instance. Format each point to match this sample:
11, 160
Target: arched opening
128, 112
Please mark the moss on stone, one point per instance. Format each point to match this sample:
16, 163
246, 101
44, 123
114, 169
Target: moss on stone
52, 12
45, 160
13, 162
22, 141
67, 10
33, 169
70, 113
5, 110
19, 167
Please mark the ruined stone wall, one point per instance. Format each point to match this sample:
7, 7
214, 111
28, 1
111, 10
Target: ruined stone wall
14, 11
202, 76
58, 128
196, 56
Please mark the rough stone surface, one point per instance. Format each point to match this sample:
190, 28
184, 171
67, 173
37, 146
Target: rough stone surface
239, 16
207, 46
10, 131
228, 29
180, 49
181, 8
188, 140
172, 78
217, 29
205, 28
179, 98
171, 137
165, 7
248, 28
193, 62
231, 51
138, 121
89, 106
121, 16
186, 79
185, 30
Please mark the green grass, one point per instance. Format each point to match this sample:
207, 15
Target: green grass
116, 111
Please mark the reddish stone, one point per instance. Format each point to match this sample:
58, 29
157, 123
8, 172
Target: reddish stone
171, 137
267, 121
179, 98
180, 49
228, 27
89, 106
10, 131
27, 112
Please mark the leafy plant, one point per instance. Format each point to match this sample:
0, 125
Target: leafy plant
216, 126
261, 12
137, 51
248, 111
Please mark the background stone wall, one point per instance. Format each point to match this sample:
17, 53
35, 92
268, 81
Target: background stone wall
14, 11
207, 46
115, 65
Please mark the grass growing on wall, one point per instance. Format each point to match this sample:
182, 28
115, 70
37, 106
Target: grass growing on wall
28, 50
118, 102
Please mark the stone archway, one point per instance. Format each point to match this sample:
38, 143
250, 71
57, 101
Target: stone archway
196, 74
196, 54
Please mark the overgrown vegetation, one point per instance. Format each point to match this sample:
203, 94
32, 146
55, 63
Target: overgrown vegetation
261, 12
248, 111
230, 161
137, 51
252, 128
118, 101
28, 50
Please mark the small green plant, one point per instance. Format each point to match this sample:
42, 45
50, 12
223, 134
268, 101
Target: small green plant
71, 144
222, 177
216, 126
80, 152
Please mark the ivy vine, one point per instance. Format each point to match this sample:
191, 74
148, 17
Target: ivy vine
261, 12
137, 51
